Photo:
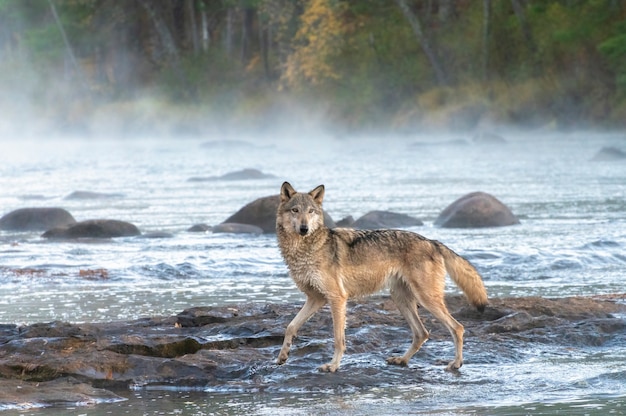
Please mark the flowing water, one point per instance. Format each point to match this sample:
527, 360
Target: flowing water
571, 241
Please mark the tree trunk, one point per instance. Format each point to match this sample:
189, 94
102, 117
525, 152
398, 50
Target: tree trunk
447, 9
264, 40
167, 40
228, 39
486, 36
440, 73
206, 39
246, 33
70, 51
192, 29
518, 9
162, 30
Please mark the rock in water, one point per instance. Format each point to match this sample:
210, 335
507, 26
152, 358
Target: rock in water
476, 210
385, 219
94, 229
607, 154
36, 219
262, 213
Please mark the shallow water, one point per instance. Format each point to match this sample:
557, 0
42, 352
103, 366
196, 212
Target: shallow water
571, 241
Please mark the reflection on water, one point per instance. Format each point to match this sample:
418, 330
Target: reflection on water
571, 241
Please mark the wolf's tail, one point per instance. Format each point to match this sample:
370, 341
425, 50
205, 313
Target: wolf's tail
466, 277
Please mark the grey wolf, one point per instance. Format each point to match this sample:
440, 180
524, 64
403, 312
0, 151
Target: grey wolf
334, 265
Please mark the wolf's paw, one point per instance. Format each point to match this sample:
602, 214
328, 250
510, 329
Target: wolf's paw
328, 368
454, 366
282, 358
397, 361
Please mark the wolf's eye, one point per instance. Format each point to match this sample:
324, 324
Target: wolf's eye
311, 211
295, 210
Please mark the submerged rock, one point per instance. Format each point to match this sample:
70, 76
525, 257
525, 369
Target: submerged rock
156, 235
244, 174
227, 144
488, 138
36, 219
236, 228
609, 154
443, 142
262, 213
92, 195
199, 228
94, 229
476, 210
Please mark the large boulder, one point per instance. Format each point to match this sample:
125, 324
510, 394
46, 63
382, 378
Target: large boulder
94, 229
476, 210
36, 219
385, 219
262, 213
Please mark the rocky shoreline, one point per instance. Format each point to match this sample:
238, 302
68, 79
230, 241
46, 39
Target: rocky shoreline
235, 347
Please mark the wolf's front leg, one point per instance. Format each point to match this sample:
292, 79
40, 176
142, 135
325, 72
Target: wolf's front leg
313, 304
338, 310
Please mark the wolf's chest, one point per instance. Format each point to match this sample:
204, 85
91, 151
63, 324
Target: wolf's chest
305, 273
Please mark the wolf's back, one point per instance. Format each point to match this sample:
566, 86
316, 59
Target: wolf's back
466, 277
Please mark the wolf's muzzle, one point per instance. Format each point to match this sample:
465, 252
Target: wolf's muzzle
304, 229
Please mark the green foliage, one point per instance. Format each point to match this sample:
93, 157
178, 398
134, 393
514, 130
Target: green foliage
562, 58
614, 48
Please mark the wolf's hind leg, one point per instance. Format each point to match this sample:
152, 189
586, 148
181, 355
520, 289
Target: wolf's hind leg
438, 308
407, 304
313, 304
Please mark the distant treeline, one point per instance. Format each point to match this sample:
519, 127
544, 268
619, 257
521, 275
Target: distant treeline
403, 64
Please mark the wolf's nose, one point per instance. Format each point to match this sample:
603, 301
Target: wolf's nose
304, 229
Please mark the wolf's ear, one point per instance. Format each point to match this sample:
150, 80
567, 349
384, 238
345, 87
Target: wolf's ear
318, 194
286, 192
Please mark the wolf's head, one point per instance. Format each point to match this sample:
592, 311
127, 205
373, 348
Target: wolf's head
300, 213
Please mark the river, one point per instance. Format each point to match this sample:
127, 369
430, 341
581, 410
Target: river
571, 241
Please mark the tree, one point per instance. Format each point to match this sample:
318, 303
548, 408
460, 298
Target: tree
429, 51
317, 43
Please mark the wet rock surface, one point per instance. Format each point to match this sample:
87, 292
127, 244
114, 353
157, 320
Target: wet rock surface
64, 391
235, 347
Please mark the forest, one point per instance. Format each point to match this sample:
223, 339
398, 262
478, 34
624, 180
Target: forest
195, 66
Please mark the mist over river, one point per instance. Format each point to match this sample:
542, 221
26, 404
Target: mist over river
571, 241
